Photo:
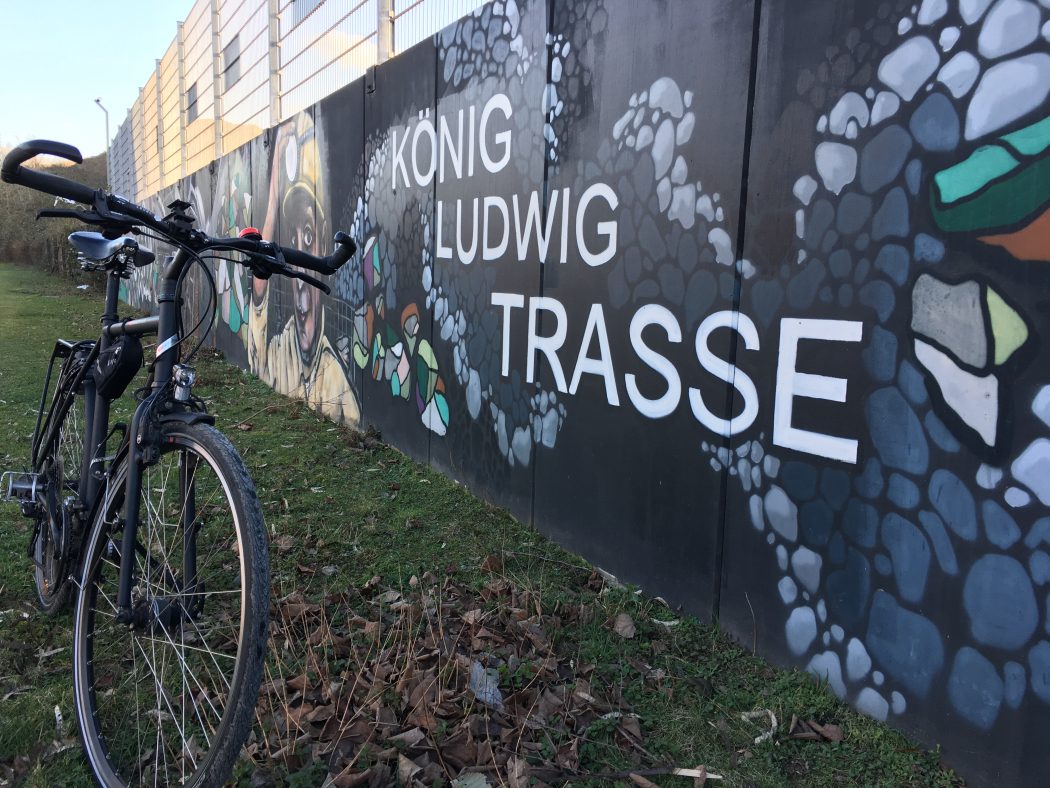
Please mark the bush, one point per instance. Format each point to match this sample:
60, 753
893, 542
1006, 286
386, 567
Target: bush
43, 243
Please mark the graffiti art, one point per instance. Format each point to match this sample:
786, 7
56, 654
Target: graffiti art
742, 301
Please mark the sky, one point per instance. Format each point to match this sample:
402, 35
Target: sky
58, 56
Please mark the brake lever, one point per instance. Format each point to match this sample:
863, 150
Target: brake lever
259, 269
88, 217
264, 267
111, 227
291, 272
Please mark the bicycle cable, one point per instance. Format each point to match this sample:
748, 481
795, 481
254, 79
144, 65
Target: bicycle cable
212, 293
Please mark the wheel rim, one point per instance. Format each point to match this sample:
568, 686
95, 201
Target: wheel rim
62, 472
47, 567
158, 693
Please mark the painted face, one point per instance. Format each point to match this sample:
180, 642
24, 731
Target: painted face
307, 298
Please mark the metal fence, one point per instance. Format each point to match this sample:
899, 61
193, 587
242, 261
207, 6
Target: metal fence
238, 67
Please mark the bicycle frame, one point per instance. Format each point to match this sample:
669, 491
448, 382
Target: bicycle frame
139, 443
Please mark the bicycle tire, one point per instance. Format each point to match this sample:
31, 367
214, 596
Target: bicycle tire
60, 465
112, 732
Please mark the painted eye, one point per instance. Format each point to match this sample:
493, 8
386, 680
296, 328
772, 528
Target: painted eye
308, 236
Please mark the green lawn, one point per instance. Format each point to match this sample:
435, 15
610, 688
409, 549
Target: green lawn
342, 510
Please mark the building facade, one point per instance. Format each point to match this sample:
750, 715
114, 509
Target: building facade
238, 67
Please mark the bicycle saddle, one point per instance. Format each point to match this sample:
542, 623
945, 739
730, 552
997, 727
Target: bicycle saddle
97, 248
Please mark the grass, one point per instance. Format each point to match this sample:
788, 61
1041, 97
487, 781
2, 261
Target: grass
341, 511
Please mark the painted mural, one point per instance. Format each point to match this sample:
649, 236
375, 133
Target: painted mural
913, 571
743, 302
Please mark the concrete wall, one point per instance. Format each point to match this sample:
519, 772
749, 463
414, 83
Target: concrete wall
740, 300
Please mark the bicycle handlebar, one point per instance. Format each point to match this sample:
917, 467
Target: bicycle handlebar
113, 210
344, 250
14, 172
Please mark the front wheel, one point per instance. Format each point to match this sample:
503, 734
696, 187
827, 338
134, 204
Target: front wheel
169, 699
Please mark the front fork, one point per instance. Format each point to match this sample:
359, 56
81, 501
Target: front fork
144, 447
132, 499
172, 394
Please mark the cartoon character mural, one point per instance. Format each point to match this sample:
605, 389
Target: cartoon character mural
298, 359
231, 212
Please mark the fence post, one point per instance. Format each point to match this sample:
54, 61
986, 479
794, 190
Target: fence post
179, 53
274, 30
216, 75
385, 30
159, 129
140, 147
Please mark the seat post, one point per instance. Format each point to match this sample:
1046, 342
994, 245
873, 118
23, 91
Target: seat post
109, 317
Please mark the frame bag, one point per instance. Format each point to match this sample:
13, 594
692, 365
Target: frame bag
117, 366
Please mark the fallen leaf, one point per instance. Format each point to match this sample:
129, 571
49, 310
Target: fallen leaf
410, 738
517, 772
245, 426
809, 730
632, 726
641, 782
407, 769
492, 564
15, 693
624, 626
459, 749
829, 732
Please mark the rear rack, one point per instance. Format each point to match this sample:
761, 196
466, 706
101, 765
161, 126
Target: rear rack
64, 348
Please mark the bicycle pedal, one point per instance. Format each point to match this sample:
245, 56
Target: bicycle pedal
19, 486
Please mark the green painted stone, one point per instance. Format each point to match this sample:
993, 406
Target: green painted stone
965, 179
998, 186
1008, 327
442, 406
1031, 140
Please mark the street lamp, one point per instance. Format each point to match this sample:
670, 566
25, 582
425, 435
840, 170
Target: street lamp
109, 179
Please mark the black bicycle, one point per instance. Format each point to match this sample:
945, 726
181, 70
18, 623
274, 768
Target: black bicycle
162, 539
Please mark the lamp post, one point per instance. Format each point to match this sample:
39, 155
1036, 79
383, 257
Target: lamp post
109, 178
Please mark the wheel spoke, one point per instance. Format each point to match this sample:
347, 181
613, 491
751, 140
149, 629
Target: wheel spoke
173, 669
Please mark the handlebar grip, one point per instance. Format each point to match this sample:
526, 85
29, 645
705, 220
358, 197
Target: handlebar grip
27, 150
13, 171
345, 248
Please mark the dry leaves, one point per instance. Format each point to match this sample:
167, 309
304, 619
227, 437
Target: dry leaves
810, 730
434, 682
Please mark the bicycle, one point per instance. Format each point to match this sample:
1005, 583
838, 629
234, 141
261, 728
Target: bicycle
162, 540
